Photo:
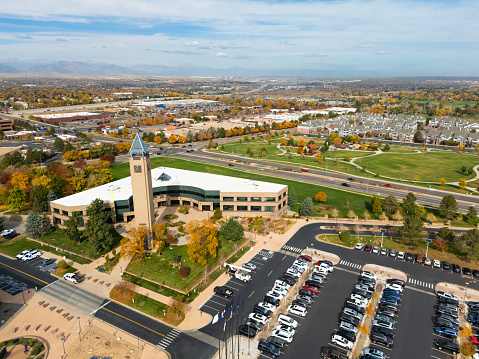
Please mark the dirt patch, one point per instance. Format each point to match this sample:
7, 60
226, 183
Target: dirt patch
97, 342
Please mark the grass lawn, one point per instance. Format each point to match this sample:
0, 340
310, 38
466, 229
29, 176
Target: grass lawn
341, 200
13, 247
59, 239
159, 267
428, 166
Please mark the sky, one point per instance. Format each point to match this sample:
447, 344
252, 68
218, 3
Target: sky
400, 37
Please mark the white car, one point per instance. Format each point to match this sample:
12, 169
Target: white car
297, 310
32, 255
359, 246
326, 267
383, 324
6, 232
268, 306
348, 326
376, 250
282, 335
321, 270
447, 295
280, 283
298, 268
359, 300
281, 290
293, 272
401, 255
72, 277
394, 286
341, 342
384, 251
374, 353
284, 319
285, 328
436, 263
369, 275
316, 277
23, 254
275, 294
258, 317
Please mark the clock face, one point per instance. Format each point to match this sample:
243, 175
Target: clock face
137, 169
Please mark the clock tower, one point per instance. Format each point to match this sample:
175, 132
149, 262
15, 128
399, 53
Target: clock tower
141, 184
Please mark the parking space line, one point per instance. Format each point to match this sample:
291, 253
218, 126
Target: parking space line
216, 302
270, 273
251, 294
207, 306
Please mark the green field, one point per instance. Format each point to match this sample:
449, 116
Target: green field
428, 167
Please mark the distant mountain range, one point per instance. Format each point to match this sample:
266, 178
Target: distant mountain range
42, 67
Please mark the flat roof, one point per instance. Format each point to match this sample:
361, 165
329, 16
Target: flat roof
121, 189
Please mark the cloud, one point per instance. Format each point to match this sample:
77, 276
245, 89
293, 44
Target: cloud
365, 46
23, 36
385, 53
60, 39
309, 54
221, 54
179, 52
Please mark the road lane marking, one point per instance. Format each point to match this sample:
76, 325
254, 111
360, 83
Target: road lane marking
141, 325
270, 273
284, 257
251, 294
6, 265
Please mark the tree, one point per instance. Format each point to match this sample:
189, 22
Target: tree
159, 231
306, 207
345, 237
351, 214
409, 204
462, 183
72, 224
376, 204
397, 216
133, 246
463, 169
468, 349
231, 230
448, 207
471, 239
39, 198
58, 144
431, 217
366, 215
320, 197
471, 214
51, 197
292, 199
36, 225
441, 245
319, 158
445, 233
390, 204
202, 240
16, 198
97, 228
412, 229
334, 213
383, 216
217, 214
442, 181
20, 179
418, 137
172, 139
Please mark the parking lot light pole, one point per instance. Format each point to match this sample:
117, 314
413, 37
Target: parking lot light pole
79, 326
23, 295
63, 342
428, 240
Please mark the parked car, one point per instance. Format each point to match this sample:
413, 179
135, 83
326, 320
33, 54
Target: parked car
436, 263
443, 322
357, 308
456, 268
379, 338
306, 257
348, 318
353, 313
387, 312
223, 291
23, 254
400, 256
385, 331
396, 281
315, 290
369, 275
388, 185
297, 310
347, 334
449, 318
72, 277
466, 271
395, 308
268, 348
272, 300
47, 262
341, 342
427, 261
31, 255
448, 312
359, 246
281, 334
277, 342
258, 317
262, 310
445, 265
376, 250
409, 257
419, 258
449, 295
306, 292
394, 286
374, 353
249, 265
392, 253
447, 332
447, 345
348, 326
284, 319
254, 324
368, 247
475, 273
246, 331
304, 170
384, 251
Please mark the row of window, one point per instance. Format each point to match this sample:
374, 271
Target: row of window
65, 213
252, 199
231, 208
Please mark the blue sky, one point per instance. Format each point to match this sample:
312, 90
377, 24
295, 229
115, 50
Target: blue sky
388, 37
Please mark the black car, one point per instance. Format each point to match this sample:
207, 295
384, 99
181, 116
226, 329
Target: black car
351, 336
448, 345
379, 338
408, 257
10, 235
449, 312
388, 306
262, 311
350, 179
287, 275
448, 301
387, 312
443, 322
271, 300
345, 184
396, 281
332, 353
456, 268
47, 262
230, 164
300, 302
306, 292
287, 280
446, 306
224, 291
466, 271
277, 342
472, 304
473, 318
362, 293
446, 265
357, 308
247, 331
255, 325
349, 318
266, 347
385, 331
475, 273
313, 283
450, 319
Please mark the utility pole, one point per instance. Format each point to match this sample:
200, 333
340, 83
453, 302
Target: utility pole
428, 240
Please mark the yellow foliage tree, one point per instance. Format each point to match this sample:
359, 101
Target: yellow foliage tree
202, 240
228, 133
157, 139
78, 184
20, 179
319, 158
70, 155
320, 197
159, 231
133, 246
181, 139
302, 142
466, 332
442, 181
462, 183
364, 146
172, 139
41, 180
282, 142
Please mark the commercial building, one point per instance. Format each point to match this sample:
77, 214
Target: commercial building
130, 197
6, 125
76, 116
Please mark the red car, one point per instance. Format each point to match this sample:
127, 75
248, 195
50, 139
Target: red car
311, 289
304, 170
474, 340
388, 185
368, 248
306, 258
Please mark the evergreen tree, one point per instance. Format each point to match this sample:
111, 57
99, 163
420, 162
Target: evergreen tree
72, 224
39, 198
37, 226
97, 228
57, 184
471, 214
217, 214
51, 197
448, 207
307, 207
292, 199
390, 205
232, 230
58, 144
409, 204
412, 229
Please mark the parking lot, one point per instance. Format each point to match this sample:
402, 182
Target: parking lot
36, 264
11, 285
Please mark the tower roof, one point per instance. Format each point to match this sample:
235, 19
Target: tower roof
138, 147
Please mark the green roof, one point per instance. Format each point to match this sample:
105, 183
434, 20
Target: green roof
138, 147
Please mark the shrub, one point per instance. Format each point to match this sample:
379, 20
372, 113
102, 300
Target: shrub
345, 236
170, 239
62, 264
123, 292
468, 349
184, 271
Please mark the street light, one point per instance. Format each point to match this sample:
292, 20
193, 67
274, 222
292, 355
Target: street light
79, 326
63, 342
428, 240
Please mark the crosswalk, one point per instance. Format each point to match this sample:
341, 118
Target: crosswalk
265, 254
168, 339
350, 264
420, 283
292, 249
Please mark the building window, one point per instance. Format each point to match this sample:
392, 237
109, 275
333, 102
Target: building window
65, 213
242, 199
228, 199
279, 206
255, 208
57, 220
242, 208
268, 208
270, 199
56, 210
186, 203
255, 199
206, 208
228, 208
79, 212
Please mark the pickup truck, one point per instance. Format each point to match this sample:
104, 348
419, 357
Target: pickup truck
223, 291
234, 273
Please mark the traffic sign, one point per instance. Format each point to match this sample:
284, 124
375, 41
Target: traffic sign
428, 240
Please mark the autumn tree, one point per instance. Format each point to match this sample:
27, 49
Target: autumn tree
441, 245
172, 139
351, 214
334, 213
320, 197
302, 142
383, 216
20, 179
16, 198
133, 246
202, 240
462, 183
376, 204
159, 231
319, 158
390, 204
397, 216
442, 181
